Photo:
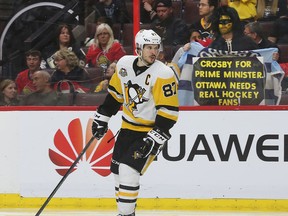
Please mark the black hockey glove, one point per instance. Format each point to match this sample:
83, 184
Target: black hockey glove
99, 125
153, 143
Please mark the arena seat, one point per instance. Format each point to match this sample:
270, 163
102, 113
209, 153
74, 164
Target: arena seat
191, 12
284, 98
90, 30
266, 27
129, 6
283, 53
89, 99
170, 51
117, 30
129, 50
127, 37
177, 8
70, 98
95, 74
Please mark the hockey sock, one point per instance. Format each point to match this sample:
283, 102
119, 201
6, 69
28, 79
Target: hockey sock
116, 179
128, 189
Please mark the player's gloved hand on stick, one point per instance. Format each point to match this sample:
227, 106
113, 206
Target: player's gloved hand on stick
99, 125
153, 143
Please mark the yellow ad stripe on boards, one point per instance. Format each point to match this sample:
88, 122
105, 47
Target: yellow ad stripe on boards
16, 201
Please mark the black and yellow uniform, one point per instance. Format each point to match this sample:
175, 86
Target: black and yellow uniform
149, 97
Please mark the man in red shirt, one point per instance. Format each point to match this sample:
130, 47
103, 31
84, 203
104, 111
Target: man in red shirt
23, 79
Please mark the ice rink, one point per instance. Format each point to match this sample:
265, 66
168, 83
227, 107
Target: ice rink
48, 212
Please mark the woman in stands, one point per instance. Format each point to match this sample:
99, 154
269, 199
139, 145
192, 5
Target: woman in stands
69, 77
64, 40
8, 93
105, 48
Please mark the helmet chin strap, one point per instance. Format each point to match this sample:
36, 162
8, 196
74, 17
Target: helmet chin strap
142, 60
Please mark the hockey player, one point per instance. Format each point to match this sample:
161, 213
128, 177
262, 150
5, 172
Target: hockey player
147, 90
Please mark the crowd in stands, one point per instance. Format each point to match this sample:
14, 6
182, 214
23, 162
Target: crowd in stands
59, 73
64, 39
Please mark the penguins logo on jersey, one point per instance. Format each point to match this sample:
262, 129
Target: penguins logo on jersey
135, 95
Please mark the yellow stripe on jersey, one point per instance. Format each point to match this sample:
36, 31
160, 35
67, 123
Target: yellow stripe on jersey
115, 88
140, 128
164, 114
176, 70
165, 94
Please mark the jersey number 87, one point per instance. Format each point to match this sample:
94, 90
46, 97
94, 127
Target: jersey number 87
169, 89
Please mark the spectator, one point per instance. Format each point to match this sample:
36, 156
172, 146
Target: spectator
105, 48
8, 93
182, 52
64, 40
103, 85
69, 75
89, 40
172, 30
279, 32
271, 10
44, 95
147, 11
116, 10
23, 79
228, 31
195, 36
246, 10
203, 25
254, 30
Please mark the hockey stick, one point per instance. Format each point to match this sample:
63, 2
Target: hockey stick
65, 176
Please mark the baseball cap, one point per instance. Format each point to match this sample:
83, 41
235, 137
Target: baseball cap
163, 3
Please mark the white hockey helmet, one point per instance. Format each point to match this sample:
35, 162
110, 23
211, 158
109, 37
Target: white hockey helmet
146, 36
